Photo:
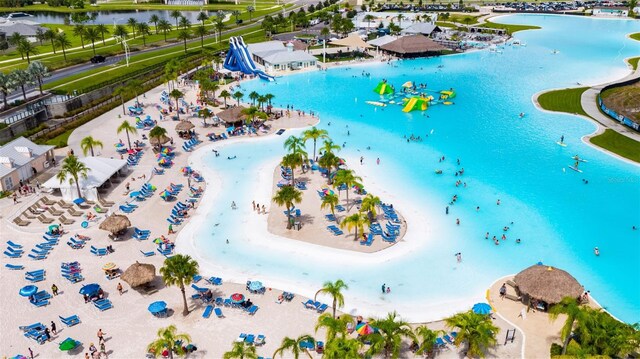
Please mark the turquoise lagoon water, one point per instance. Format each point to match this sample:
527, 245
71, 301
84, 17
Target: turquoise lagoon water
559, 218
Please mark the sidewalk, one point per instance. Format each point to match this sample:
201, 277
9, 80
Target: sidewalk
589, 103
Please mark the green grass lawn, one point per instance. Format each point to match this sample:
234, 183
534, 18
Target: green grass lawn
619, 144
634, 62
510, 28
567, 100
129, 5
636, 36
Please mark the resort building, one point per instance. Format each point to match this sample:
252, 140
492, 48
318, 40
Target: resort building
413, 46
617, 11
25, 28
233, 116
404, 20
20, 160
421, 28
275, 56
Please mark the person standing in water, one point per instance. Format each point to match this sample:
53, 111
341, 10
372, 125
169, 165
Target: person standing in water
384, 288
596, 251
562, 139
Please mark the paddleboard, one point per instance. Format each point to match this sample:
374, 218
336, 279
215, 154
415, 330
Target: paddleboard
579, 159
575, 169
376, 103
562, 144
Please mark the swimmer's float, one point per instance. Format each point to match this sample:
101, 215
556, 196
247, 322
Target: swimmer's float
376, 103
562, 144
383, 89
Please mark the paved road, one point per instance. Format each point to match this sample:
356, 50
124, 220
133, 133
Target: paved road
67, 71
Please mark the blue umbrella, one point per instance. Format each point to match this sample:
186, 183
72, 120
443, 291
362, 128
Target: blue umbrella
90, 289
157, 307
28, 290
255, 285
79, 201
481, 308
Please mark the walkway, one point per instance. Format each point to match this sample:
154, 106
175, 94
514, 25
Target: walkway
589, 103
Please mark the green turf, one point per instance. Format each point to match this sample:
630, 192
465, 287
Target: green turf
129, 5
635, 36
510, 28
60, 140
618, 144
634, 62
567, 100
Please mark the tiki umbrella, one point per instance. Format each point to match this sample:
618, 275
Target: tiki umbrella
547, 283
115, 223
184, 126
159, 141
138, 274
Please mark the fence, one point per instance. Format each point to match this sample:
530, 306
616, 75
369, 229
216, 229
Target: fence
612, 113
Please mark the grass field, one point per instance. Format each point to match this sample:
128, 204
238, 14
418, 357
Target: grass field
634, 62
510, 28
636, 36
567, 100
619, 144
129, 5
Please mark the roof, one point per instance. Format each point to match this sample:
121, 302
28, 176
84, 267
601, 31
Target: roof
547, 283
352, 40
232, 115
10, 27
17, 151
421, 28
266, 46
382, 40
299, 45
285, 57
413, 44
101, 170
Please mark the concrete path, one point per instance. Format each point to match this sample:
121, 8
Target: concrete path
589, 103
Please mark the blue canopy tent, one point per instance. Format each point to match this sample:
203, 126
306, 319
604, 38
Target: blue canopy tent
482, 308
28, 290
90, 289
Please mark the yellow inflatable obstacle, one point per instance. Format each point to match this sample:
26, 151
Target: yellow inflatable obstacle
447, 95
416, 103
383, 89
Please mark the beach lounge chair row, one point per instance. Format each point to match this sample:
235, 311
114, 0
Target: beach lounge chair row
35, 331
35, 276
141, 234
340, 208
330, 217
103, 304
189, 145
76, 243
148, 254
251, 339
214, 280
71, 272
40, 299
335, 230
319, 307
99, 251
369, 240
13, 252
14, 266
213, 137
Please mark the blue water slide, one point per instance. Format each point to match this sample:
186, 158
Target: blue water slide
247, 56
239, 59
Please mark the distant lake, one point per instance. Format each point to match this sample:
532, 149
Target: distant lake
108, 17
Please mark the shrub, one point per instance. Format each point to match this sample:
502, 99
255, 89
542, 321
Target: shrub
556, 349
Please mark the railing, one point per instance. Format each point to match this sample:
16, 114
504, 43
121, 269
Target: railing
613, 114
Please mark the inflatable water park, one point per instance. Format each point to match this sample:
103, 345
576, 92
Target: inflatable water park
411, 97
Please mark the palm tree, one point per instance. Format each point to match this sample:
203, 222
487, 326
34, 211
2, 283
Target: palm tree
329, 146
343, 347
144, 31
335, 327
78, 30
154, 19
426, 339
179, 271
269, 97
26, 48
51, 36
287, 196
388, 338
355, 221
574, 312
400, 17
225, 95
349, 179
158, 133
202, 17
177, 94
314, 134
72, 169
176, 15
102, 29
236, 14
38, 72
294, 160
368, 18
63, 42
218, 25
122, 92
331, 201
134, 87
369, 204
170, 340
293, 345
334, 289
127, 128
261, 101
92, 34
238, 96
88, 143
133, 23
205, 114
185, 23
21, 78
250, 10
164, 26
329, 161
201, 31
6, 86
476, 330
184, 35
253, 96
120, 31
241, 350
253, 112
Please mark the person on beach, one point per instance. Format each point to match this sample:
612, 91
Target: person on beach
378, 161
503, 290
170, 231
253, 203
119, 287
384, 286
100, 336
30, 353
264, 209
54, 289
233, 205
53, 328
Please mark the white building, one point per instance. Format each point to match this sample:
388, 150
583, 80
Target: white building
20, 160
25, 28
275, 56
615, 11
407, 19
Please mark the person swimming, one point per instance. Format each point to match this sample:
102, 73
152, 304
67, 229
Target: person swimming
596, 251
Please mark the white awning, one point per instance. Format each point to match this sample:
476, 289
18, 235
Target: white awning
101, 169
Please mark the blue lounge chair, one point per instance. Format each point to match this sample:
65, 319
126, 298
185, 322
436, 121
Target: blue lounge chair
14, 267
70, 321
440, 343
207, 311
330, 217
259, 339
339, 208
37, 257
11, 244
309, 304
322, 308
227, 302
13, 255
148, 254
448, 339
218, 312
249, 339
41, 303
253, 309
103, 304
199, 289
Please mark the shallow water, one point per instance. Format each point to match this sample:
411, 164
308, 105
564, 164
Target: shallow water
559, 218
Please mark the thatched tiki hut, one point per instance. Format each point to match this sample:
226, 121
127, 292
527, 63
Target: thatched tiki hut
413, 46
139, 274
233, 116
115, 223
184, 126
542, 286
157, 141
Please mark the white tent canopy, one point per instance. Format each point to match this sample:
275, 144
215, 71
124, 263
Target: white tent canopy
101, 169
